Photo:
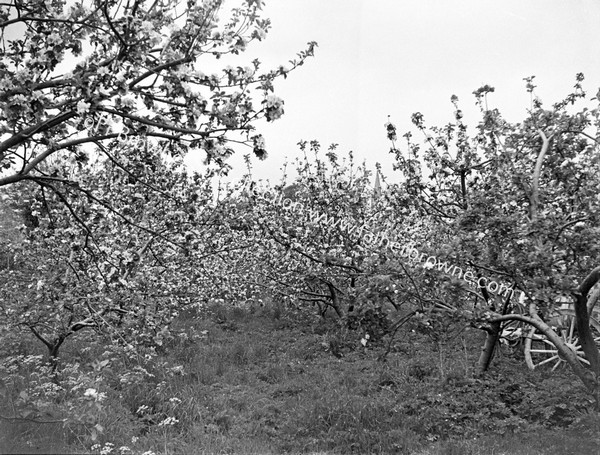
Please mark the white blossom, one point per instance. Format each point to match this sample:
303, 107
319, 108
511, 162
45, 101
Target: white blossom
83, 107
54, 38
128, 101
147, 27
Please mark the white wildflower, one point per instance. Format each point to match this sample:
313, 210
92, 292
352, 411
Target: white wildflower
168, 421
93, 393
108, 448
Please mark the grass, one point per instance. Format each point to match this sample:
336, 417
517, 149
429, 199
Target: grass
260, 382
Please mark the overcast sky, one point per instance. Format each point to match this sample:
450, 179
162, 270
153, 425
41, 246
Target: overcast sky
396, 57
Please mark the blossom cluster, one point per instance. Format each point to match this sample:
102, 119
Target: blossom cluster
273, 107
402, 249
273, 111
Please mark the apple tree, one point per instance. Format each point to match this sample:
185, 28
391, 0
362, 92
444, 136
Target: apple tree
517, 204
88, 73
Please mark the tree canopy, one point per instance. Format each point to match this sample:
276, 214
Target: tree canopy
82, 74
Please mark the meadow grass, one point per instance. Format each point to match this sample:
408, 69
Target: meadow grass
260, 382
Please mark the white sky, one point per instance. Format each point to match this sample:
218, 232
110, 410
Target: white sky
396, 57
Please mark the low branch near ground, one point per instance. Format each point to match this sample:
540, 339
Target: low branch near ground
586, 376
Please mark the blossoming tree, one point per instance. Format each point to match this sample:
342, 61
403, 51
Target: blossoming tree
518, 202
88, 74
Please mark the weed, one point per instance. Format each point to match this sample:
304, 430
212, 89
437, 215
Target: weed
275, 386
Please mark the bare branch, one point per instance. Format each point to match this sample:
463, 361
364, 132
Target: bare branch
535, 181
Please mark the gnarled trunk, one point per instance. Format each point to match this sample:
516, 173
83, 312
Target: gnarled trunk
493, 331
489, 347
582, 317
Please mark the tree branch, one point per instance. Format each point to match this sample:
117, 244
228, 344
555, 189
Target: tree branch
158, 69
535, 181
22, 136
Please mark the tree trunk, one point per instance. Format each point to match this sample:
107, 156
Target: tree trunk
335, 302
53, 354
489, 347
582, 318
493, 332
53, 347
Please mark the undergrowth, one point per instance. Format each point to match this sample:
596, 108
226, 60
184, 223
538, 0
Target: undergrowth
244, 381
